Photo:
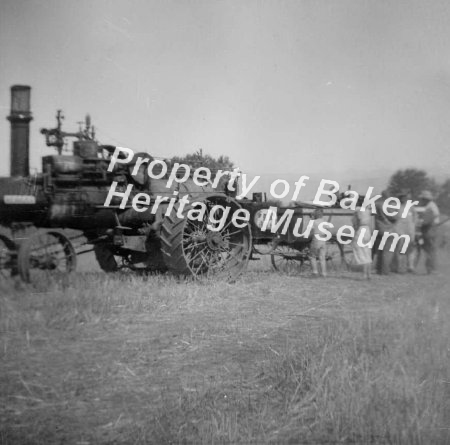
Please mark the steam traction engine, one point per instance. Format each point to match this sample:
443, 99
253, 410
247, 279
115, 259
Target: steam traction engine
70, 194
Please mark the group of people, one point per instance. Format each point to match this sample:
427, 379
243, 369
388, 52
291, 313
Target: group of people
419, 227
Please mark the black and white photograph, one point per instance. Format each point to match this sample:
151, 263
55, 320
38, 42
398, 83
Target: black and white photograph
224, 222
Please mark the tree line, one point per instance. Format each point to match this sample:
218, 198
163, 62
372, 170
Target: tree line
415, 181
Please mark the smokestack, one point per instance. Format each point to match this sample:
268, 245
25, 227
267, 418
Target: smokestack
20, 118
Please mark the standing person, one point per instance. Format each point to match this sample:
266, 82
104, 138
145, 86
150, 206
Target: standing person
362, 250
430, 220
405, 225
318, 247
383, 223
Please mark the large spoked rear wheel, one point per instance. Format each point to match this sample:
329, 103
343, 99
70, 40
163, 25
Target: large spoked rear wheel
45, 254
196, 245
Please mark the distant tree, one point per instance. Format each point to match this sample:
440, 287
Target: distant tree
200, 159
443, 198
413, 180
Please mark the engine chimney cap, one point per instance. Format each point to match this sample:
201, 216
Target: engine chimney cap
20, 100
20, 87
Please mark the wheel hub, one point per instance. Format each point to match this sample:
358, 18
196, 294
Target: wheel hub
214, 241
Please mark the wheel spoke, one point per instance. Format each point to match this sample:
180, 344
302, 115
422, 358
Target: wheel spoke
197, 225
236, 244
195, 244
201, 264
228, 225
232, 255
229, 234
204, 249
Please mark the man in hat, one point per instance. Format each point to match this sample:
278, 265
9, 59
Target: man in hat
430, 220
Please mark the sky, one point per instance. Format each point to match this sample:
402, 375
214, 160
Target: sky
343, 90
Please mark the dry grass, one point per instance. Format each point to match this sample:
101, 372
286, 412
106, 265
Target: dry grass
124, 359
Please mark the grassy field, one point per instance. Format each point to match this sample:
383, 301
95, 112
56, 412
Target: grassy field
123, 359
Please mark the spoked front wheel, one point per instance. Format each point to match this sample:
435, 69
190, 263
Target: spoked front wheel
288, 260
45, 254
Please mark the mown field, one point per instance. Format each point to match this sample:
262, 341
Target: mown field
123, 359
